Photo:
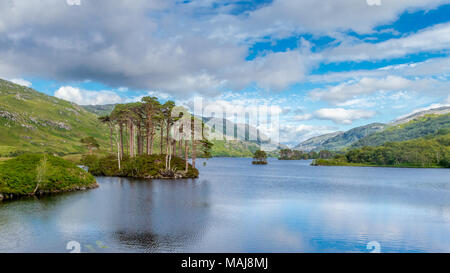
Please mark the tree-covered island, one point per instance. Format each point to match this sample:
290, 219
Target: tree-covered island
134, 150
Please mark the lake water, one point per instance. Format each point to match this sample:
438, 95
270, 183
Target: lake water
286, 206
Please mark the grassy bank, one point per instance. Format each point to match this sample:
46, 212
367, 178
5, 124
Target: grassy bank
35, 174
143, 166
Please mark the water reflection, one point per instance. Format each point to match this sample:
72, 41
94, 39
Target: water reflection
286, 206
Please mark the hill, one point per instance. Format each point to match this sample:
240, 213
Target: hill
31, 121
432, 151
415, 127
338, 141
315, 143
436, 111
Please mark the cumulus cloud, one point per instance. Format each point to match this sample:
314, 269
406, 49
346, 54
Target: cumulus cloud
345, 91
343, 116
21, 82
435, 38
291, 134
160, 45
182, 47
86, 97
283, 16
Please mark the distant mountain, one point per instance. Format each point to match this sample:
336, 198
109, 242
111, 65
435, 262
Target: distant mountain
238, 133
420, 124
35, 122
100, 110
340, 140
315, 142
417, 126
410, 117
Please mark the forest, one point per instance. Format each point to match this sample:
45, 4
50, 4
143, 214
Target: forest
432, 151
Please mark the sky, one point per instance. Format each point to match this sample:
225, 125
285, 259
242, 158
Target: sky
326, 66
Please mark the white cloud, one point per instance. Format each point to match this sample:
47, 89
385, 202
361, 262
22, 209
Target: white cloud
284, 16
186, 48
341, 93
86, 97
343, 116
21, 82
291, 134
435, 38
302, 117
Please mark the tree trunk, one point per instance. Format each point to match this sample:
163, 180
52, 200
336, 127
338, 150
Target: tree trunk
193, 140
174, 148
131, 141
167, 156
186, 151
121, 140
161, 140
118, 152
167, 134
138, 137
147, 139
152, 135
194, 152
180, 144
127, 144
111, 128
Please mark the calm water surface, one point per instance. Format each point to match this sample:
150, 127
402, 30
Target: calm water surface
286, 206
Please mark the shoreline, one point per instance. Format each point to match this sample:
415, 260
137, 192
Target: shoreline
15, 196
326, 164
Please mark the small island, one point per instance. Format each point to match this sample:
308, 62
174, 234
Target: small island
40, 174
288, 154
141, 166
259, 158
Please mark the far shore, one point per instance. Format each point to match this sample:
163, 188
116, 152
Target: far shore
347, 164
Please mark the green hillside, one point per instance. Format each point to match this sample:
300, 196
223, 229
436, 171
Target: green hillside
315, 143
34, 122
427, 125
432, 151
344, 140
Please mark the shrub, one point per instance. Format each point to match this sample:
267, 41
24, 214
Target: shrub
20, 175
143, 166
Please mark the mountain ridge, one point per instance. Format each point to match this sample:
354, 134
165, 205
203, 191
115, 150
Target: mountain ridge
411, 126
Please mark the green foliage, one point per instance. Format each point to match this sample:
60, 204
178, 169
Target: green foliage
143, 166
34, 122
428, 125
233, 148
22, 174
337, 142
260, 158
422, 152
90, 143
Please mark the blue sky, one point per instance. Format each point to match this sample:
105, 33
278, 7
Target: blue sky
326, 66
